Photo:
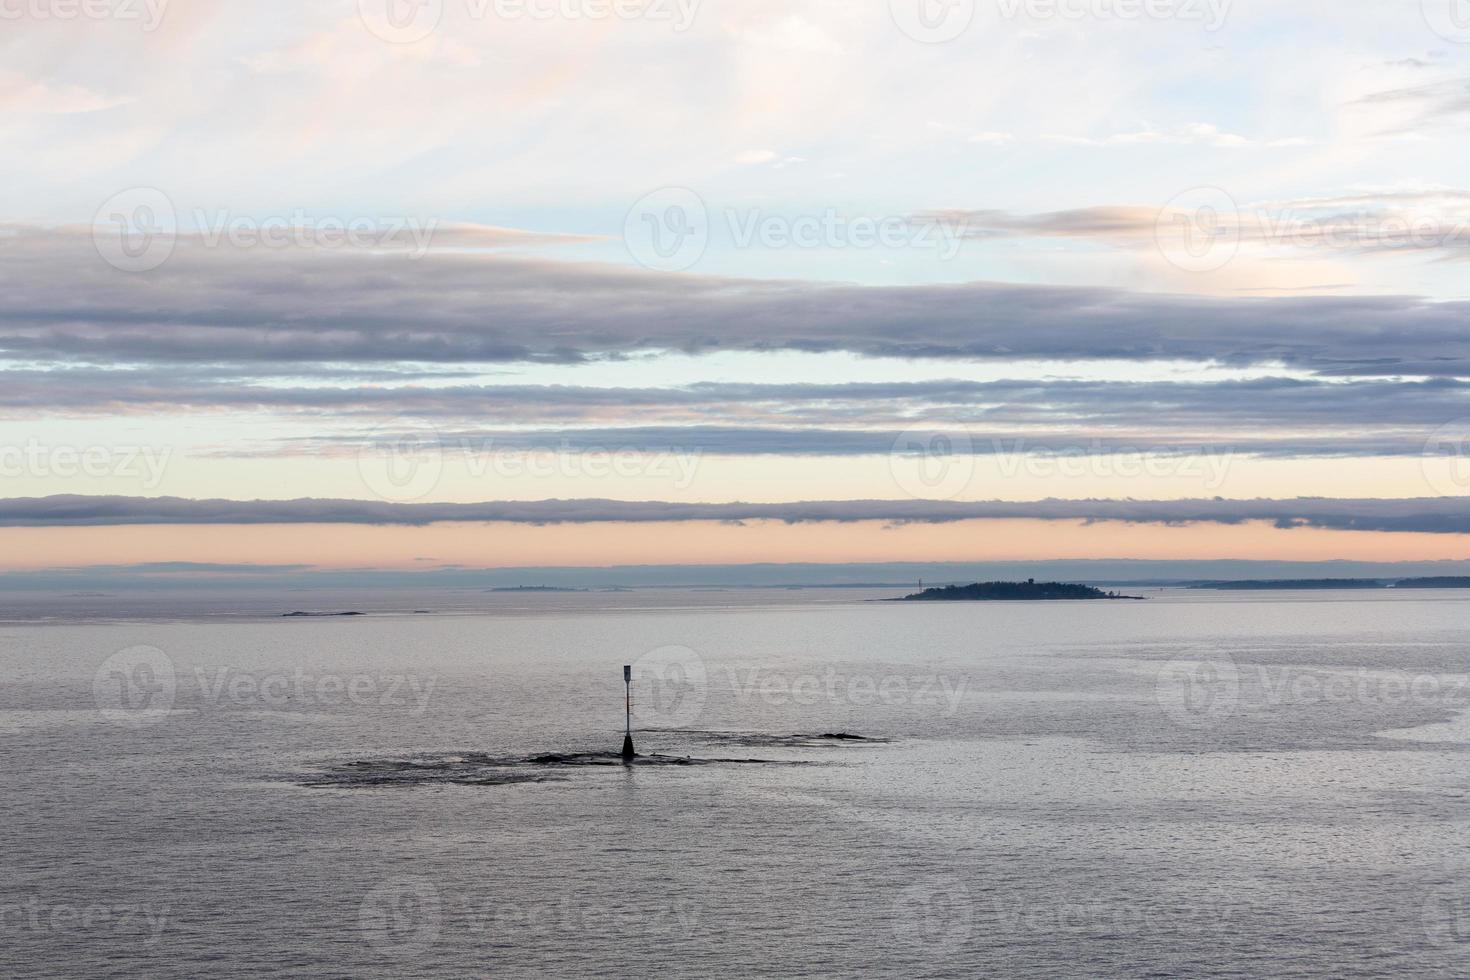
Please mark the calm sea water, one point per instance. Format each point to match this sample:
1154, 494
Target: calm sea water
1197, 785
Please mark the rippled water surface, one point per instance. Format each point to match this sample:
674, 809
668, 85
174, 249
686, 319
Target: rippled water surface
1196, 785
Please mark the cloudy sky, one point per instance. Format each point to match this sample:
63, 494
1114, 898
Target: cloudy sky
415, 283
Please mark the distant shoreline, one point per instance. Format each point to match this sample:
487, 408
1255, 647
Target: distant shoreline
1264, 585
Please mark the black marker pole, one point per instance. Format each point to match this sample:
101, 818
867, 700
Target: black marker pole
628, 714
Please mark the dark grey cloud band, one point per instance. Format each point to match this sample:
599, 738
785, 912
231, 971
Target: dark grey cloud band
59, 301
1435, 515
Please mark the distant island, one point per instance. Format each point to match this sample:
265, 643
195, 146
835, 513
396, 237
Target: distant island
533, 588
314, 615
1249, 585
1006, 591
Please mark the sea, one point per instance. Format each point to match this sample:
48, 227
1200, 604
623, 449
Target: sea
1199, 784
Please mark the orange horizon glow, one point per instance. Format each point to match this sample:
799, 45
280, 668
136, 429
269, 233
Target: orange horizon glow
341, 546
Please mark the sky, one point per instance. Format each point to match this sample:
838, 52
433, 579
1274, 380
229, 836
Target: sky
425, 284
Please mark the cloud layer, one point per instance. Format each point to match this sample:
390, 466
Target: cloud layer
1440, 515
1269, 416
59, 302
